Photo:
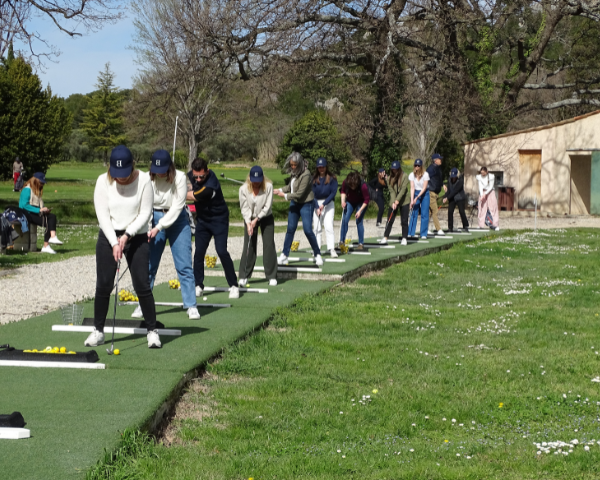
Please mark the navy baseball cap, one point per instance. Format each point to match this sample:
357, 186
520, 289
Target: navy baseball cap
40, 176
381, 170
161, 161
121, 162
395, 165
321, 162
454, 172
256, 174
436, 156
418, 162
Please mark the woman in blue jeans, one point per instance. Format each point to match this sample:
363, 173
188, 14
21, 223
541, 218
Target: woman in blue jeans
170, 222
300, 194
355, 199
419, 194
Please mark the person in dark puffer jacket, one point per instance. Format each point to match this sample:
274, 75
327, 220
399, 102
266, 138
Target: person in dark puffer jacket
456, 197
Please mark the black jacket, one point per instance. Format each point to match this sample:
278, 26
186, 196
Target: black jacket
436, 180
456, 191
209, 200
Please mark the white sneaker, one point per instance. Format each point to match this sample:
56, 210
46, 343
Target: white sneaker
497, 229
198, 291
153, 339
423, 238
383, 241
441, 232
94, 339
282, 260
430, 232
48, 249
242, 282
404, 242
318, 260
137, 313
234, 292
55, 241
273, 282
332, 253
193, 313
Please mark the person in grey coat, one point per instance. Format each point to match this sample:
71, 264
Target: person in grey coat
456, 197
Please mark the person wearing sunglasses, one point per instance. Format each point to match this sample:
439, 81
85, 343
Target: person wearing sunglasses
212, 220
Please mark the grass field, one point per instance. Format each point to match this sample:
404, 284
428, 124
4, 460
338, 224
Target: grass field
452, 365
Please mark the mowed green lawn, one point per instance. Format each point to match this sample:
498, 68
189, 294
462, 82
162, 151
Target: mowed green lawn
448, 366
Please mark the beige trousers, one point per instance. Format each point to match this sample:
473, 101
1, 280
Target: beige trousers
433, 210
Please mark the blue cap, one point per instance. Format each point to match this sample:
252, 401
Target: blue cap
395, 165
381, 170
418, 162
436, 156
40, 176
321, 162
161, 161
454, 172
256, 174
121, 162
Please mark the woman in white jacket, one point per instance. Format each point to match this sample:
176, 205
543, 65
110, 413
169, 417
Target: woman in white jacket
123, 201
170, 222
487, 199
256, 199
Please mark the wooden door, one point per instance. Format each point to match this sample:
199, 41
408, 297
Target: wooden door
581, 173
530, 178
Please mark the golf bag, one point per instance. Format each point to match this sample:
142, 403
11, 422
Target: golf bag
191, 219
489, 221
19, 184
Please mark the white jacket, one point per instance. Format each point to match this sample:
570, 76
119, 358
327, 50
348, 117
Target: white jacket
256, 207
486, 184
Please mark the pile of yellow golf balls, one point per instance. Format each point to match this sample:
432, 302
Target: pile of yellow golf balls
127, 296
295, 246
344, 248
210, 262
50, 350
348, 241
174, 284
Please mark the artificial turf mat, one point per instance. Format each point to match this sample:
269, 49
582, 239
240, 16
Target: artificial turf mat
75, 415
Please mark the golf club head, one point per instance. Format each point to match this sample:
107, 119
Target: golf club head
110, 350
222, 175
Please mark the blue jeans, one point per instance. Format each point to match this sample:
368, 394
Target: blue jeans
346, 216
421, 206
297, 211
180, 239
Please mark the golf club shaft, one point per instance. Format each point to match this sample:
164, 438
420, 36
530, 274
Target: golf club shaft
112, 346
116, 285
231, 179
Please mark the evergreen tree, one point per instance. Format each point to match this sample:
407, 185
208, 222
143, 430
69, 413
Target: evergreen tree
33, 123
103, 119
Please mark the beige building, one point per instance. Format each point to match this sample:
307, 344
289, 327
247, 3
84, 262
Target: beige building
559, 164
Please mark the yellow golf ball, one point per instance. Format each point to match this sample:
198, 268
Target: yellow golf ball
117, 351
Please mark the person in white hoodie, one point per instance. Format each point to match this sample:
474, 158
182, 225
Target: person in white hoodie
170, 222
123, 200
487, 199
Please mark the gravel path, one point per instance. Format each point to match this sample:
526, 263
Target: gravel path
36, 289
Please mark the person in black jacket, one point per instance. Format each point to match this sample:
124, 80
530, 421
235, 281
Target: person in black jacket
212, 220
436, 182
376, 187
455, 196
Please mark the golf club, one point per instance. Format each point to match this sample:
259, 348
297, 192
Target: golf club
342, 223
121, 277
231, 179
112, 346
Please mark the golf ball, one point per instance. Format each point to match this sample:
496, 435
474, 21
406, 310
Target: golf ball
205, 299
117, 351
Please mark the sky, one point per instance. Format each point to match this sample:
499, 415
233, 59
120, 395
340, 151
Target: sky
82, 58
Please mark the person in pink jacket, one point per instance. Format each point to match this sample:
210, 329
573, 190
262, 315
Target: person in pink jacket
487, 199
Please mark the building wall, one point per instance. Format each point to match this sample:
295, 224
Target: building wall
503, 154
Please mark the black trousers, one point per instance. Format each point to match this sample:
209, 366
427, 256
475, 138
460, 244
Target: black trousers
48, 221
219, 229
380, 201
267, 230
137, 253
404, 211
461, 209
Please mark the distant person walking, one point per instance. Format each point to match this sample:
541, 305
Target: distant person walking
123, 200
170, 222
355, 199
31, 202
17, 172
256, 200
399, 188
436, 182
324, 186
456, 197
377, 186
300, 195
419, 195
487, 199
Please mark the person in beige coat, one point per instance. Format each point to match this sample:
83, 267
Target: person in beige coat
300, 195
256, 198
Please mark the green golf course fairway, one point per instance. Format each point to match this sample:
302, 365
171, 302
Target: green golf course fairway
75, 415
